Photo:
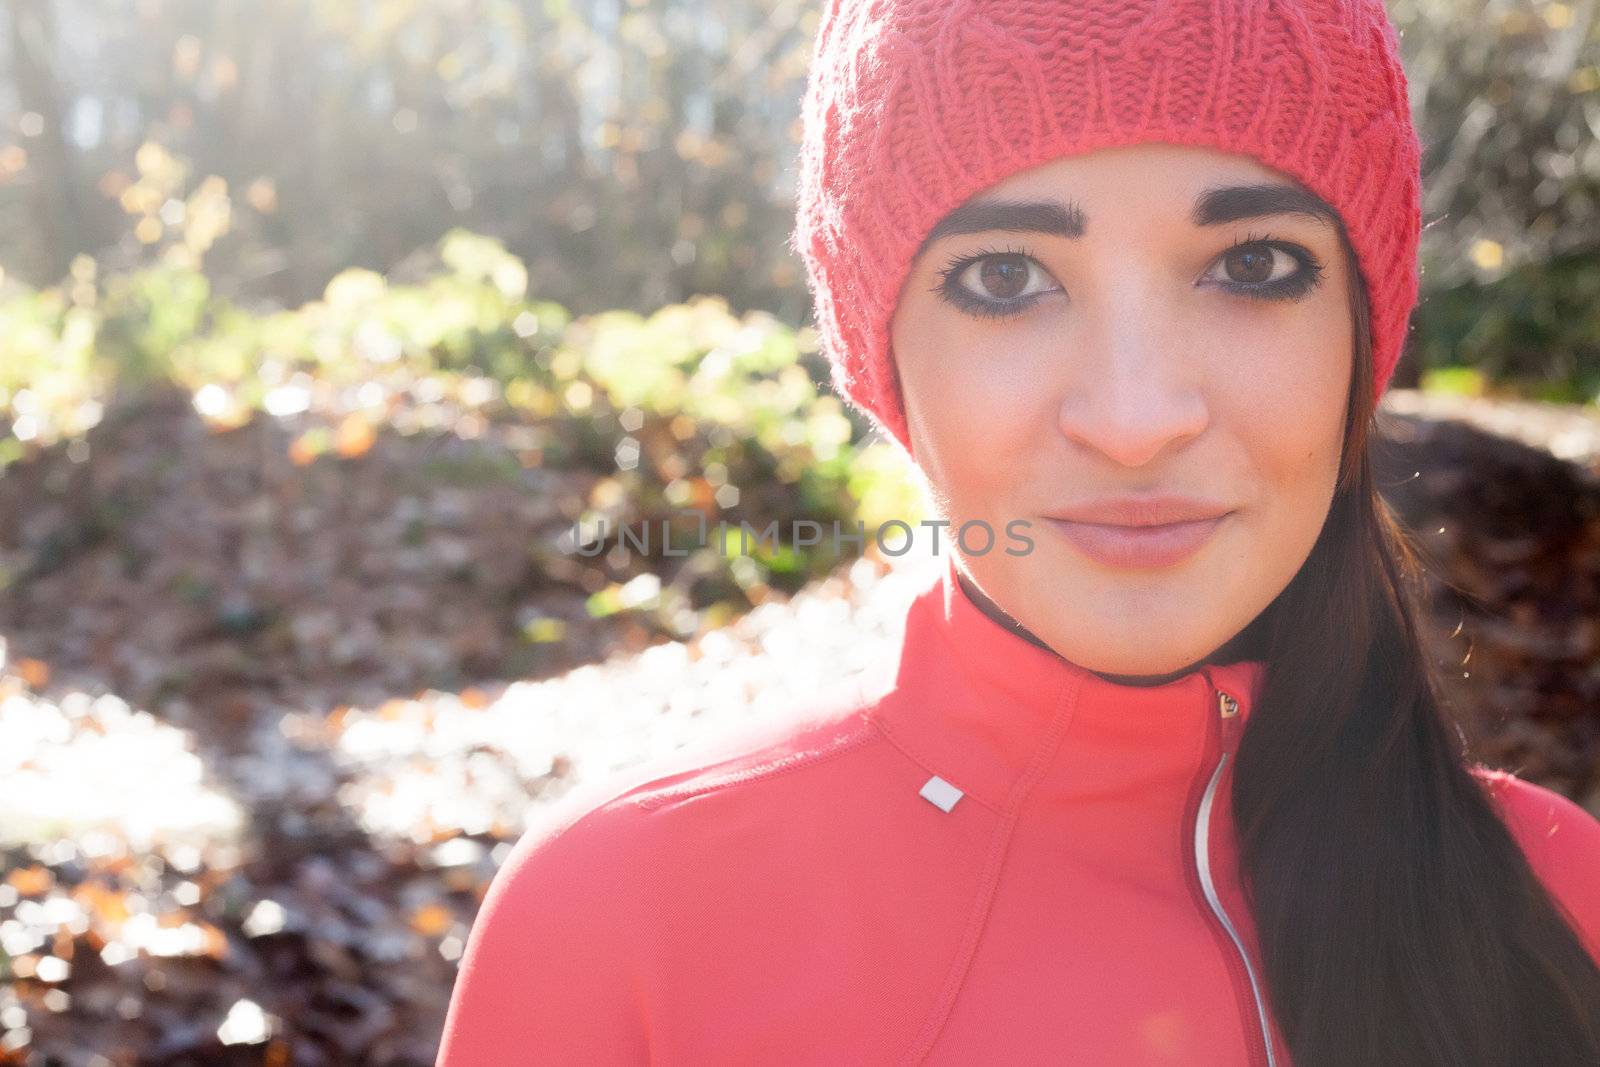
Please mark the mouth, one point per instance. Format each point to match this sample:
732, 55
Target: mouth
1151, 545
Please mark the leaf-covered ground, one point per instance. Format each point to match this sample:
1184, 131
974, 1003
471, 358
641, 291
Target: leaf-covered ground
268, 726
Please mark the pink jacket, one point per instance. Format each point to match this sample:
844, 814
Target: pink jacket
1003, 858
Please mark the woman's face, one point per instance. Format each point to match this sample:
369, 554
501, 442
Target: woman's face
1160, 338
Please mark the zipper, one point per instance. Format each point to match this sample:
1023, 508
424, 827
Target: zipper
1227, 724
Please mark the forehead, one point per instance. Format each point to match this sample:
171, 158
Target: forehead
1153, 163
1172, 187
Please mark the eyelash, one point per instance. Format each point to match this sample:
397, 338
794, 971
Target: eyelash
1291, 288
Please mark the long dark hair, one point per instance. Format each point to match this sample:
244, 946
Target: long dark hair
1399, 921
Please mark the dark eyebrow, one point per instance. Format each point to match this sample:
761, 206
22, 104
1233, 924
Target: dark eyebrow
1216, 206
1012, 216
1230, 203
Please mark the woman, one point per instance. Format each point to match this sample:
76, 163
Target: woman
1170, 783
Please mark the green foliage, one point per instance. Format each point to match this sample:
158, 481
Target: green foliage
1534, 331
690, 415
1460, 381
628, 154
147, 316
48, 376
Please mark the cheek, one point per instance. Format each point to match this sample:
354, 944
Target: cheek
1291, 422
1287, 385
971, 409
1284, 400
1293, 426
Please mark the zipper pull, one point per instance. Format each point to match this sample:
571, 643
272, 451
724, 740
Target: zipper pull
1227, 712
1232, 721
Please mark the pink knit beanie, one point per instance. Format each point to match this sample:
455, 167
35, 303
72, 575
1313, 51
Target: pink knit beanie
913, 106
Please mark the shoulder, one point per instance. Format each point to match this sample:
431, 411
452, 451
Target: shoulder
666, 805
1552, 828
609, 819
1561, 841
575, 921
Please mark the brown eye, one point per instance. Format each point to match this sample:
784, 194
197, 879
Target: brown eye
1004, 276
1250, 271
994, 283
1250, 264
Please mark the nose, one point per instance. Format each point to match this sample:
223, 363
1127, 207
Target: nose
1132, 391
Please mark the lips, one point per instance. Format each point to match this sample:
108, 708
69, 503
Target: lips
1139, 546
1150, 510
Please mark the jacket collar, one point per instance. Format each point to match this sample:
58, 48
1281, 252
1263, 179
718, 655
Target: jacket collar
1001, 718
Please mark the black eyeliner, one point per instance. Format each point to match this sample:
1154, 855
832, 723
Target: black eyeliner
1291, 288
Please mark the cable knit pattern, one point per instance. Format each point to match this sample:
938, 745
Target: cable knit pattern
913, 106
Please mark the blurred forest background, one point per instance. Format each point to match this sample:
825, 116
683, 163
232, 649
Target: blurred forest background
324, 324
632, 154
